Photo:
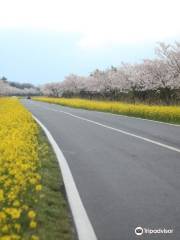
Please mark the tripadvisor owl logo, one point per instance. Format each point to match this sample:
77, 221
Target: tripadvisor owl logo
138, 231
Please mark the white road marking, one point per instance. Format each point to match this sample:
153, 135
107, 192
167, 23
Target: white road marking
143, 119
82, 222
120, 115
116, 129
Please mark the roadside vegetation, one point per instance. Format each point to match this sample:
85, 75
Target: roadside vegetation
32, 199
8, 88
169, 114
149, 89
152, 81
54, 216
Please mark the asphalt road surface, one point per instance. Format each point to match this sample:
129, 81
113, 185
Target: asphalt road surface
127, 170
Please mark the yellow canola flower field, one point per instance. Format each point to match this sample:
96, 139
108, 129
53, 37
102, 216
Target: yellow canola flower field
155, 112
19, 177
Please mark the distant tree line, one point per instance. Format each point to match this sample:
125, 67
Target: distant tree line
151, 81
17, 89
21, 85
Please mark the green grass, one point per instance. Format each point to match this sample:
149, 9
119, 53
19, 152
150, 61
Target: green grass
54, 218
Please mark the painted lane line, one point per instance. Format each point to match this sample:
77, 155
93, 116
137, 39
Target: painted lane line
117, 130
83, 225
138, 118
119, 115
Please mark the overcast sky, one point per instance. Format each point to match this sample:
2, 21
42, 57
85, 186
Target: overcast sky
44, 40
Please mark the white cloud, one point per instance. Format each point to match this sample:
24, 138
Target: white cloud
100, 22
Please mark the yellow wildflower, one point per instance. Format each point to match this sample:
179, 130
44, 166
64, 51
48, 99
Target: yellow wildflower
38, 187
13, 212
7, 237
5, 228
31, 214
162, 113
25, 207
17, 227
33, 224
2, 216
16, 203
33, 237
1, 195
19, 168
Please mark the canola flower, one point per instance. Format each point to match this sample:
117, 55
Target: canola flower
155, 112
19, 171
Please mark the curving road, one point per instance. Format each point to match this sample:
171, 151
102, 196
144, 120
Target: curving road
127, 170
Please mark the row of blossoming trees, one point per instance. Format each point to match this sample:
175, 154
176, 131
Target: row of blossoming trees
15, 89
151, 81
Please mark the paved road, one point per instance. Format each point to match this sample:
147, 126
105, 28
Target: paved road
124, 181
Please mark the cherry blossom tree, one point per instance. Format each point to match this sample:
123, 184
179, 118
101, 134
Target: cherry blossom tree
151, 79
